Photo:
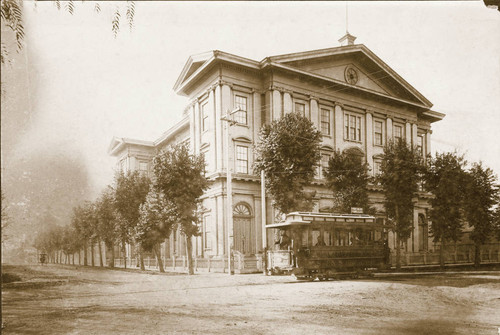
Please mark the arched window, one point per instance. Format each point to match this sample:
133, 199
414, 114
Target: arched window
241, 210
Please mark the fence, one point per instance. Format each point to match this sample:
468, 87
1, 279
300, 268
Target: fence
239, 264
453, 254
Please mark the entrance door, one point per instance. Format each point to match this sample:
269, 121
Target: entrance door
242, 231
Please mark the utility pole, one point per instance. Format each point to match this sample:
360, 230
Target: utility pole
229, 189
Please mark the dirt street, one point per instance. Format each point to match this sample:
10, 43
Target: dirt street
77, 300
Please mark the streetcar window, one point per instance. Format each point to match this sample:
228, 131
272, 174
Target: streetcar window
305, 239
328, 238
315, 236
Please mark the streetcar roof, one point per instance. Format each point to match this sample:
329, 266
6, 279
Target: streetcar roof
306, 218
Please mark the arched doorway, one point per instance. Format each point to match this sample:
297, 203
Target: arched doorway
423, 233
242, 232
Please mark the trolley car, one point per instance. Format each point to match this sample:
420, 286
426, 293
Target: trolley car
324, 245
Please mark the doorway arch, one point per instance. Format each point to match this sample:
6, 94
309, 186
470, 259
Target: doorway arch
243, 235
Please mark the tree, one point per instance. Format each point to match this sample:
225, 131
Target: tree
481, 196
131, 189
180, 177
12, 17
445, 178
347, 176
106, 217
288, 151
400, 176
155, 223
82, 221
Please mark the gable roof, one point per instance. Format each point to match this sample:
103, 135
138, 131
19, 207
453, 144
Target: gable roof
198, 64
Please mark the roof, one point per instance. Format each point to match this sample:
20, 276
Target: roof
117, 143
197, 65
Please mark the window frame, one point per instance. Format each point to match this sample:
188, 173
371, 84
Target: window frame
375, 133
357, 129
237, 160
204, 116
236, 104
394, 131
322, 122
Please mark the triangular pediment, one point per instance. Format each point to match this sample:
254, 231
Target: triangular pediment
370, 72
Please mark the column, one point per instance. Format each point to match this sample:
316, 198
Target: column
257, 115
369, 139
428, 142
414, 133
314, 112
192, 136
388, 124
220, 219
226, 107
408, 133
213, 123
339, 125
277, 109
268, 107
218, 128
197, 128
287, 103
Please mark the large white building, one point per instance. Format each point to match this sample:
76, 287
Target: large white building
355, 99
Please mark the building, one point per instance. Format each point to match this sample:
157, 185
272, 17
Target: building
355, 99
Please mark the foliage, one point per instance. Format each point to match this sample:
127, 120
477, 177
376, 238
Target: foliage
106, 217
288, 152
131, 189
156, 220
347, 176
11, 14
180, 177
400, 176
481, 197
445, 179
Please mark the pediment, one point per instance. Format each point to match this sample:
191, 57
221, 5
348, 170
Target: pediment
372, 73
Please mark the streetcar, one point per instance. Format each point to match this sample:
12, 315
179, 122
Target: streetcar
325, 245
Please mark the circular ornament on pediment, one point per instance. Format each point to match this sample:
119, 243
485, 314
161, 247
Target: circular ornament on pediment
351, 75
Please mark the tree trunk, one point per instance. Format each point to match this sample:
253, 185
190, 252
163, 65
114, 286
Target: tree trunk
124, 247
112, 256
441, 253
157, 252
85, 259
141, 257
477, 254
92, 253
189, 247
100, 254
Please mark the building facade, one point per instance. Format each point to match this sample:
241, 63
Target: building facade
356, 100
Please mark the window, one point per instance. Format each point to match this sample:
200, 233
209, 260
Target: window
378, 133
143, 168
300, 108
398, 132
241, 159
241, 103
420, 143
352, 127
207, 233
324, 165
325, 121
204, 116
123, 166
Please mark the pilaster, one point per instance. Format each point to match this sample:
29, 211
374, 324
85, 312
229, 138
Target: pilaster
339, 124
277, 110
212, 130
414, 134
226, 106
192, 131
428, 142
408, 132
197, 126
388, 132
314, 112
287, 103
369, 139
257, 115
218, 128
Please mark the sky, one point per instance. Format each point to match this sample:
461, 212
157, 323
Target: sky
82, 86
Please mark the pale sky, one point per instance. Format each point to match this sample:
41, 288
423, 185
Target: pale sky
85, 86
